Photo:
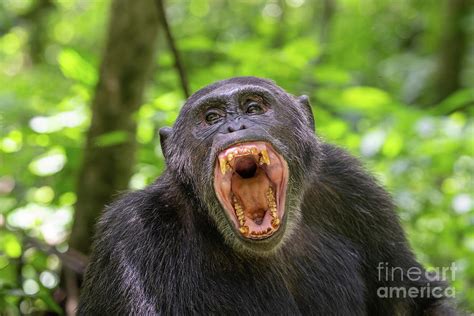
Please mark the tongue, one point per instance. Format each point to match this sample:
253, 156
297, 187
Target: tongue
251, 192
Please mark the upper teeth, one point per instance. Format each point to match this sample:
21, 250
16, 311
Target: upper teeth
264, 158
224, 162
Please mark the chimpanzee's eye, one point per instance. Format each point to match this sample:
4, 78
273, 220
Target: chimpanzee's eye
213, 116
254, 108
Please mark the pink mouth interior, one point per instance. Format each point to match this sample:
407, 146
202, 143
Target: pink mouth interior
250, 181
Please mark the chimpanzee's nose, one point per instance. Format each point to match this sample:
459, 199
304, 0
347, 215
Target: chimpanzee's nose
235, 126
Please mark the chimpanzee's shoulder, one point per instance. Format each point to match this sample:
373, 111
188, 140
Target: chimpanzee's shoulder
341, 166
334, 156
150, 210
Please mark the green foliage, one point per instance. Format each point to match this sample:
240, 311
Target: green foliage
74, 67
366, 78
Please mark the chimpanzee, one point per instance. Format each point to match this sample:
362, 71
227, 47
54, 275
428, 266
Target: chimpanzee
255, 215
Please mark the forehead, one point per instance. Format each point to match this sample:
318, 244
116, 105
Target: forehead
228, 92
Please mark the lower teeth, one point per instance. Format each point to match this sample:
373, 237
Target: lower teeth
275, 222
273, 209
244, 230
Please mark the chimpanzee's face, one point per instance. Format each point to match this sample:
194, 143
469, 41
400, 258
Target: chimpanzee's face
242, 145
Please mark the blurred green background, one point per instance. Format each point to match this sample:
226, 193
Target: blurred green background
391, 81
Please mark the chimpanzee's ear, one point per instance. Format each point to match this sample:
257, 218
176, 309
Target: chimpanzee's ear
165, 132
304, 101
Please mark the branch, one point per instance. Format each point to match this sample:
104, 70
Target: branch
172, 44
72, 259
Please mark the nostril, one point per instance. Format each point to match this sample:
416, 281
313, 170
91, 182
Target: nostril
235, 127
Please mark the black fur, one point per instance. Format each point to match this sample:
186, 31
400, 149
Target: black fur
169, 249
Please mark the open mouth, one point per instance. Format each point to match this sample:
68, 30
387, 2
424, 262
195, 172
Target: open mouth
250, 181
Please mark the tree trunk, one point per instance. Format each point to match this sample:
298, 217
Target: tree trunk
328, 10
37, 20
323, 17
110, 147
452, 49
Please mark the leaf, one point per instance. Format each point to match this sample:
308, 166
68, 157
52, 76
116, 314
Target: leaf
332, 74
457, 100
75, 67
10, 245
393, 145
49, 301
366, 98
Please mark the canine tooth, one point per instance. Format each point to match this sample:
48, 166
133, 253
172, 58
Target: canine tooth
265, 159
230, 156
244, 230
224, 165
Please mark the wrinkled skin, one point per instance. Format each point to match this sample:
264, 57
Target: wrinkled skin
171, 248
